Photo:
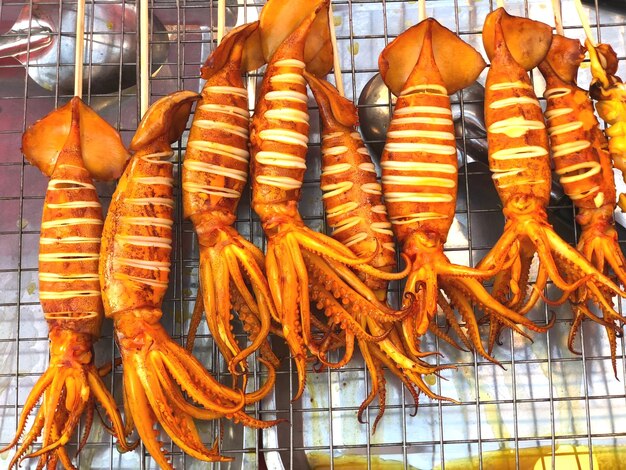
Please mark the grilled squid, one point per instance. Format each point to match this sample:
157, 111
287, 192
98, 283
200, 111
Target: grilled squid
520, 165
134, 272
63, 145
215, 172
582, 161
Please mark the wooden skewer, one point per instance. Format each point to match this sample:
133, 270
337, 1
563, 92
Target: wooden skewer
500, 3
80, 48
144, 57
558, 20
584, 21
421, 10
221, 20
333, 41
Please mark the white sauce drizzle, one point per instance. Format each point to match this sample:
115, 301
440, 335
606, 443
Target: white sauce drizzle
288, 114
195, 165
226, 109
221, 149
222, 126
284, 136
280, 159
514, 100
227, 90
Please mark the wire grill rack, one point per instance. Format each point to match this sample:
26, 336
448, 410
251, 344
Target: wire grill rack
544, 397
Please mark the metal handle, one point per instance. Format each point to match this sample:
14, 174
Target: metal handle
20, 42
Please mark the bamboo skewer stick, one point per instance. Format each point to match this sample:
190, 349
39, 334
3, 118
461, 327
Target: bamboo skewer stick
144, 57
333, 41
558, 20
584, 21
422, 10
221, 20
500, 3
80, 48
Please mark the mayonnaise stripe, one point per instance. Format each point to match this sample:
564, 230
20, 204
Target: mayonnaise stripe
420, 147
148, 221
403, 180
145, 201
279, 159
194, 165
227, 90
287, 114
219, 191
68, 240
138, 240
221, 149
152, 180
422, 110
222, 126
282, 182
71, 221
569, 147
529, 151
419, 166
335, 150
417, 197
419, 133
286, 95
513, 101
225, 109
289, 63
335, 169
73, 204
67, 294
284, 136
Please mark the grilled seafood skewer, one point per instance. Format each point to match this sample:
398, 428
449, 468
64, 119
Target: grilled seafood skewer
519, 161
134, 271
297, 256
214, 174
583, 163
68, 281
419, 166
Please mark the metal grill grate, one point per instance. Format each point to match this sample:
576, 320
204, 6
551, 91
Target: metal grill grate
545, 396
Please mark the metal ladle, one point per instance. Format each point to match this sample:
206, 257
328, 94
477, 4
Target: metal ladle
374, 118
46, 46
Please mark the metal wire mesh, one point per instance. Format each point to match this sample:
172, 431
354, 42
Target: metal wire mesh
544, 396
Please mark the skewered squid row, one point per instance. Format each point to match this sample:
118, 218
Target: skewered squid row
583, 163
520, 165
134, 272
215, 172
61, 145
